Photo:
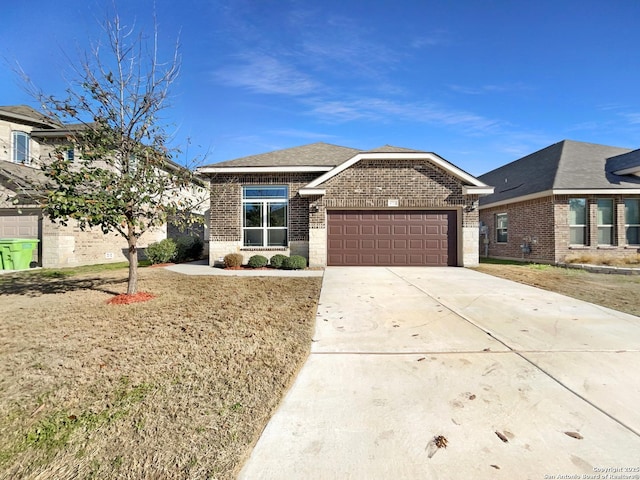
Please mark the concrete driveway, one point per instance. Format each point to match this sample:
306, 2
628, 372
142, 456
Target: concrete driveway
519, 383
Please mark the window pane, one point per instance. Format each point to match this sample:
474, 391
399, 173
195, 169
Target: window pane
605, 235
502, 236
633, 235
632, 211
501, 220
277, 237
605, 212
577, 211
277, 214
264, 192
20, 147
252, 214
253, 238
577, 235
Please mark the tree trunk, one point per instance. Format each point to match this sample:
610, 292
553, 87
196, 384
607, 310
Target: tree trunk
132, 287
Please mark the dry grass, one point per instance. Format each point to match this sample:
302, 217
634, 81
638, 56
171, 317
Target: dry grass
620, 292
177, 387
631, 260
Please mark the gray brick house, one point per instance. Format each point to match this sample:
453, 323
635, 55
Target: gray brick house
342, 206
566, 199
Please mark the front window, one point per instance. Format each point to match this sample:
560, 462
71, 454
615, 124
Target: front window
21, 147
578, 221
605, 221
632, 220
69, 154
264, 216
501, 228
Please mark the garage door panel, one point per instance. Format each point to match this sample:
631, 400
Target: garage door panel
351, 244
392, 238
400, 244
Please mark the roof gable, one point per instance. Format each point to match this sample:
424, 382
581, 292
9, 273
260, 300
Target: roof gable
471, 184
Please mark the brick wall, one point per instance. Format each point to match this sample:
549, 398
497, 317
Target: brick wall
369, 184
225, 219
619, 247
547, 220
533, 220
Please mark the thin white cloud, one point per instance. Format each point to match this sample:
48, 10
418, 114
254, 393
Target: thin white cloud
292, 132
382, 110
266, 74
632, 118
491, 88
434, 39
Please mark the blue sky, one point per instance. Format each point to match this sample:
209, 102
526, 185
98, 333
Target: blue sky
480, 83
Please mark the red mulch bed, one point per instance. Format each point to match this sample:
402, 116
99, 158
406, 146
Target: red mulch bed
125, 299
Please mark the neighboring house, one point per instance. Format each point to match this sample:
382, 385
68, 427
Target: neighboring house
341, 206
27, 139
569, 198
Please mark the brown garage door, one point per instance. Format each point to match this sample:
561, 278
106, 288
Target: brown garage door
391, 237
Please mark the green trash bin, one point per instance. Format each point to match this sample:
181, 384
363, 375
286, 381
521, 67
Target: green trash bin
17, 253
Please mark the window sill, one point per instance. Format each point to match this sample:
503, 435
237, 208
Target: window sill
607, 247
264, 249
579, 247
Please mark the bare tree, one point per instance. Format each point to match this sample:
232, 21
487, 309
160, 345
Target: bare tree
125, 180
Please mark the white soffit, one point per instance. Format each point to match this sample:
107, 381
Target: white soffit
575, 193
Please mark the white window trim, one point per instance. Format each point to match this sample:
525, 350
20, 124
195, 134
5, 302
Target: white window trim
610, 226
14, 149
498, 229
581, 225
627, 225
265, 216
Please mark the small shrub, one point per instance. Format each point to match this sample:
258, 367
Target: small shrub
294, 262
161, 252
233, 260
258, 261
276, 260
189, 248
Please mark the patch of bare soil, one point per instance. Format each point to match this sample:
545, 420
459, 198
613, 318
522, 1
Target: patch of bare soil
179, 386
619, 292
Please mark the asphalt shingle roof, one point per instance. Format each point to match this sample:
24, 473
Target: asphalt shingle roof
25, 112
564, 165
316, 154
624, 161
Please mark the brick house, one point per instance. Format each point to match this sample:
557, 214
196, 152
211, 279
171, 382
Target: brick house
341, 206
27, 138
566, 199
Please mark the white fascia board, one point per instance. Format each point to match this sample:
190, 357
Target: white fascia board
596, 191
288, 169
462, 175
310, 192
629, 171
466, 190
565, 191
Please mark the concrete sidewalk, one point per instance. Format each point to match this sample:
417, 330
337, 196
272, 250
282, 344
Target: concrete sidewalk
522, 383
